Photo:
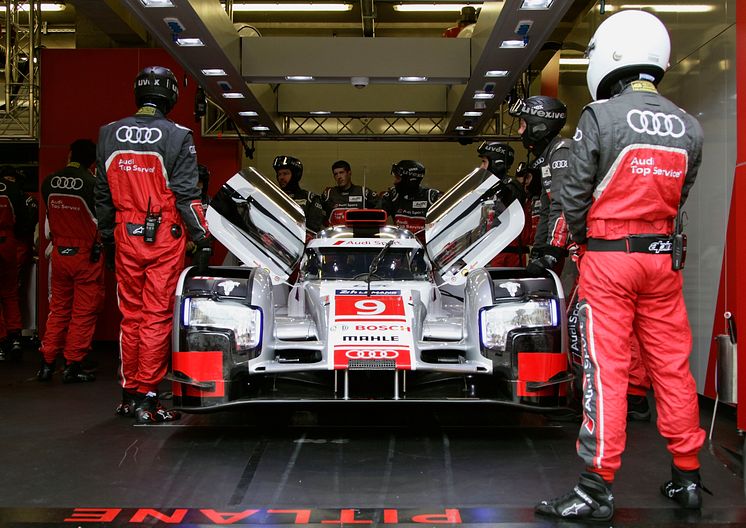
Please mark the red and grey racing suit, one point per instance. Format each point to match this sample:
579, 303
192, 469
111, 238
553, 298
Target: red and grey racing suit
14, 222
408, 210
336, 202
147, 164
634, 158
77, 286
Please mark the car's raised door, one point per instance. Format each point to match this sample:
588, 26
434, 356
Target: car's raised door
260, 224
473, 222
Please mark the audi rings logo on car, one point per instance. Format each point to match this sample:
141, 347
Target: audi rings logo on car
142, 135
656, 123
69, 184
372, 354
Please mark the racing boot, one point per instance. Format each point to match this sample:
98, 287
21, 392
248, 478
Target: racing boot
130, 402
685, 487
45, 371
590, 500
638, 408
16, 349
151, 411
74, 373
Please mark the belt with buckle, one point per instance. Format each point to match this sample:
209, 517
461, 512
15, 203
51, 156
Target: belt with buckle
655, 244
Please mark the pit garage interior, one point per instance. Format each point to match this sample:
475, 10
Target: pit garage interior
66, 459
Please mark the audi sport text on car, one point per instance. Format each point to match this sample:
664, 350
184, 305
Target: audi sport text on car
365, 311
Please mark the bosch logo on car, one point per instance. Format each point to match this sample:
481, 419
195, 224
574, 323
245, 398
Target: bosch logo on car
69, 184
141, 135
383, 328
655, 123
372, 354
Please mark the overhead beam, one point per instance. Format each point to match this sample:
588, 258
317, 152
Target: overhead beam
498, 22
208, 21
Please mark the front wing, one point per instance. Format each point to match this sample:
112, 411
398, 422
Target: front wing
240, 341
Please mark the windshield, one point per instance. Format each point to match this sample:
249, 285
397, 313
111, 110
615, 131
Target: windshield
398, 263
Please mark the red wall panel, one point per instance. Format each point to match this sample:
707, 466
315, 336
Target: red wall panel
81, 90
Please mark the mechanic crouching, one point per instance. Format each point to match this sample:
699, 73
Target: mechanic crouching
146, 198
633, 160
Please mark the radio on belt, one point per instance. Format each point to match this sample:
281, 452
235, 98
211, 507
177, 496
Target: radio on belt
152, 221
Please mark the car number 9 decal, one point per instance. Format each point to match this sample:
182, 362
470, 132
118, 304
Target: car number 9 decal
369, 307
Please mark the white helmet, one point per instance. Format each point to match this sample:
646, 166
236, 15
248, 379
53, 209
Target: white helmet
627, 43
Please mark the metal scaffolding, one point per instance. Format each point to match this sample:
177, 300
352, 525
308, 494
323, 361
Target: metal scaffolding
20, 25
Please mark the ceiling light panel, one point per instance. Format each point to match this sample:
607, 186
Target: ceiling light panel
275, 7
433, 8
157, 3
536, 4
214, 72
189, 42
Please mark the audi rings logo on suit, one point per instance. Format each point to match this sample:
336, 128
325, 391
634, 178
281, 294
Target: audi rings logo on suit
66, 183
139, 135
656, 123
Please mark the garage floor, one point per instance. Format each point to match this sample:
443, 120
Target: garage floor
66, 459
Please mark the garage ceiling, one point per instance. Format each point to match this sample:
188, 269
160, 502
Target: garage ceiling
369, 72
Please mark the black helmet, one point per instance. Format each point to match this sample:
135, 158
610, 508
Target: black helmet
158, 86
411, 173
500, 156
289, 162
544, 116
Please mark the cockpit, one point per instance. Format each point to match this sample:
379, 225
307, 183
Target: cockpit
350, 263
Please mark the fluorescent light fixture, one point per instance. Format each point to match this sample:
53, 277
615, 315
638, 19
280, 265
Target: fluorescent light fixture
483, 95
536, 4
299, 78
248, 113
473, 114
433, 7
412, 78
404, 112
462, 128
157, 3
320, 112
213, 72
233, 95
260, 128
574, 61
189, 42
513, 43
497, 73
292, 7
46, 6
673, 8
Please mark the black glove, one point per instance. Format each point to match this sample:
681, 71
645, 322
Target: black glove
202, 252
109, 253
547, 261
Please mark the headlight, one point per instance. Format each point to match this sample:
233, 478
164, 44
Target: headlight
244, 321
497, 321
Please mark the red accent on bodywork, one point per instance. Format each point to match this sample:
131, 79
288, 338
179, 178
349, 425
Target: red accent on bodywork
540, 366
200, 366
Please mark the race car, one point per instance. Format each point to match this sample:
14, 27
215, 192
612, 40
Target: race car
364, 311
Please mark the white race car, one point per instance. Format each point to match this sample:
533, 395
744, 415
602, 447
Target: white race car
364, 311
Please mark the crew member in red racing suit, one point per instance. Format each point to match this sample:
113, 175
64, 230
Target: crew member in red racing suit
77, 284
634, 159
14, 223
497, 158
407, 201
146, 194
